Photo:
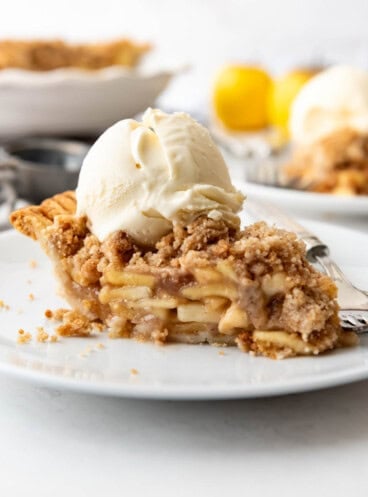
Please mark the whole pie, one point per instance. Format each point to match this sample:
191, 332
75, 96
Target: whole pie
204, 282
45, 55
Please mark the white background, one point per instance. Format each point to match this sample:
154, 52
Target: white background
55, 443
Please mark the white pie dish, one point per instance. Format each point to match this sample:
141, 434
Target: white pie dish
74, 101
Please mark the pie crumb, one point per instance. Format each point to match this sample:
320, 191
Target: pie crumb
97, 326
100, 346
86, 352
23, 336
221, 352
31, 296
3, 305
54, 338
134, 372
73, 323
42, 335
32, 263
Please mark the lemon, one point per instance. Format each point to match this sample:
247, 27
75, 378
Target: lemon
282, 94
240, 97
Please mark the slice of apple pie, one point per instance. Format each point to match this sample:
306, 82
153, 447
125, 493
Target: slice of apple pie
205, 281
337, 163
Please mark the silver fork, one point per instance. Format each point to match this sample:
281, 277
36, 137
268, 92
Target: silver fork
353, 302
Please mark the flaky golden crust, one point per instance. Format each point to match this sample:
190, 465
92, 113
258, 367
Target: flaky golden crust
45, 55
31, 220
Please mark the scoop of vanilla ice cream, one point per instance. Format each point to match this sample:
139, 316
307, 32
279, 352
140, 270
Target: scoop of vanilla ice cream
333, 99
141, 177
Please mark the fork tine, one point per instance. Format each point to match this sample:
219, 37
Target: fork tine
345, 323
354, 319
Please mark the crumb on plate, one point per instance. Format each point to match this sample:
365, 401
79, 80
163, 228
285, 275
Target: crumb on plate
42, 335
3, 305
23, 336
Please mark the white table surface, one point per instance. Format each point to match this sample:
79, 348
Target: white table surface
55, 443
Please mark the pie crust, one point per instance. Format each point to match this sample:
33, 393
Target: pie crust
45, 55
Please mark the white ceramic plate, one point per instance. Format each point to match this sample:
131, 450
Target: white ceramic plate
168, 372
73, 101
308, 202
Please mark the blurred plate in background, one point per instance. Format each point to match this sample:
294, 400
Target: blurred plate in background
307, 202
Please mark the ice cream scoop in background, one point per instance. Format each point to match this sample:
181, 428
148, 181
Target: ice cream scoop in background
334, 99
143, 177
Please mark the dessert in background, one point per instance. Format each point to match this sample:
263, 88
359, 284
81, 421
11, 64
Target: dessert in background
337, 163
334, 99
150, 245
46, 55
329, 128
